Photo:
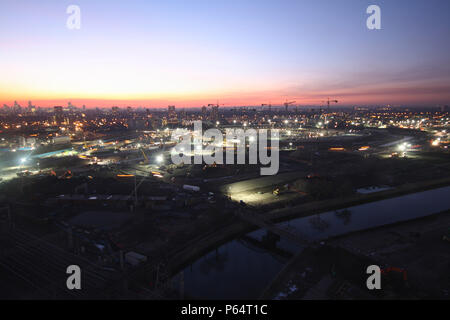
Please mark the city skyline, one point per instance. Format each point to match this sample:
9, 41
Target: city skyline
224, 156
238, 52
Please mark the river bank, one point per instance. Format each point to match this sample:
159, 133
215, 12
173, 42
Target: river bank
417, 247
257, 261
200, 246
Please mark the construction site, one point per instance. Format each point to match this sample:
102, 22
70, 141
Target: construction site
141, 227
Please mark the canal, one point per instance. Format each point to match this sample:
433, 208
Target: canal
242, 268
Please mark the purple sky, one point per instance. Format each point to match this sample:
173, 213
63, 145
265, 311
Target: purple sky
241, 52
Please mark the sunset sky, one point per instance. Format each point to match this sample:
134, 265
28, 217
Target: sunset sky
241, 52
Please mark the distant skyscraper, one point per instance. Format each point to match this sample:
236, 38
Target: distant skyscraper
172, 117
17, 107
6, 108
183, 114
70, 106
215, 113
31, 108
58, 115
172, 112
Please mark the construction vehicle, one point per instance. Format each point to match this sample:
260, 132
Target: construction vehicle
279, 190
66, 175
214, 165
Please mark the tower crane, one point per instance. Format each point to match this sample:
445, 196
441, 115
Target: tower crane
328, 101
267, 105
215, 110
215, 104
288, 103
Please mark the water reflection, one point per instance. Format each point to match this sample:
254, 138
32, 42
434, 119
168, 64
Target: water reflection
318, 223
344, 215
242, 268
374, 214
214, 263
